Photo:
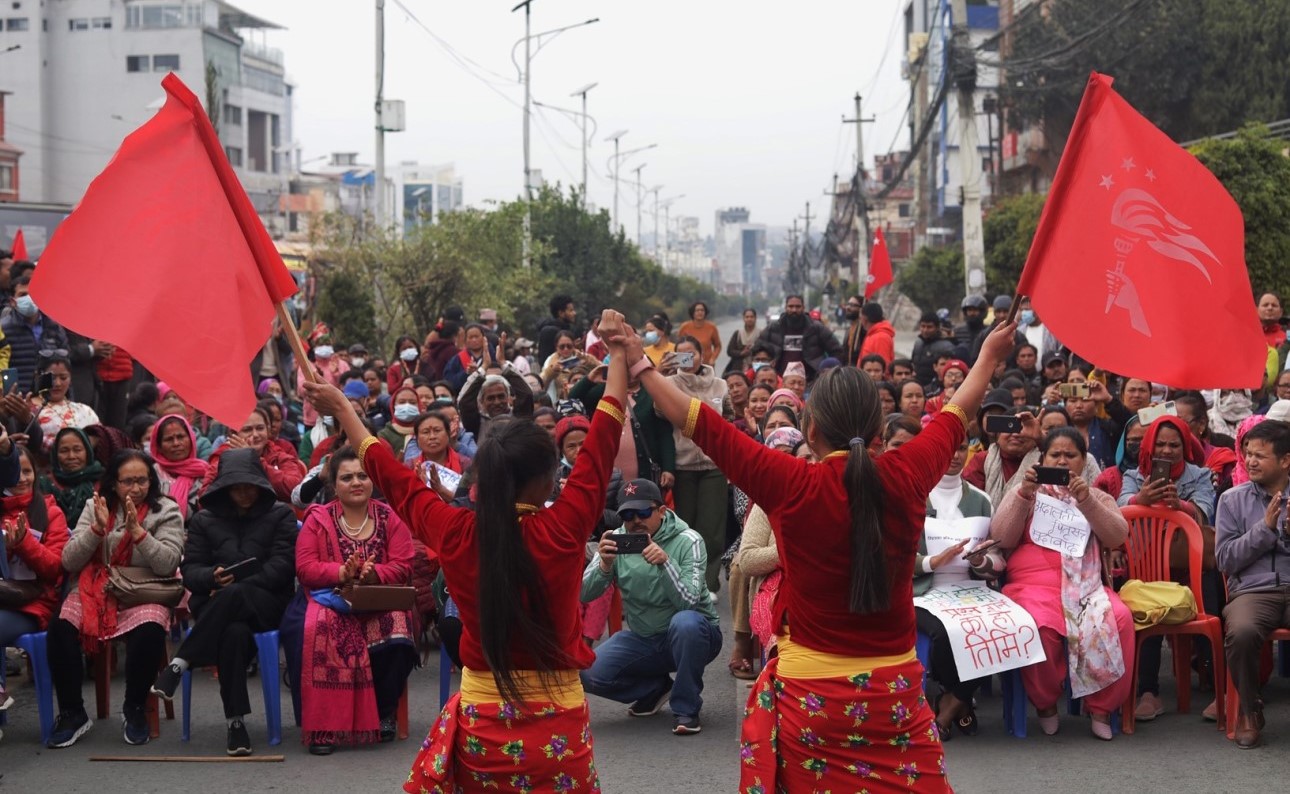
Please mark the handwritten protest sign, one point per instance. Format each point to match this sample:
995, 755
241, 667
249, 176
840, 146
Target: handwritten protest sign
1059, 526
449, 478
941, 534
988, 632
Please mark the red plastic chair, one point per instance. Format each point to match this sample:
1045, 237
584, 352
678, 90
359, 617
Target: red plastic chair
1151, 531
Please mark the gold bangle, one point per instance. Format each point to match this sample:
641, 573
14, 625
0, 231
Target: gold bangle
613, 411
363, 447
951, 408
692, 419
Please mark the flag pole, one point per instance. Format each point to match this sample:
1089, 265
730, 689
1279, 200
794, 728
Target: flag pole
297, 344
1016, 307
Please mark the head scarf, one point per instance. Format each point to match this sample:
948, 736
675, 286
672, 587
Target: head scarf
187, 472
1192, 450
110, 441
784, 437
262, 390
1120, 461
790, 394
72, 489
1239, 474
1230, 407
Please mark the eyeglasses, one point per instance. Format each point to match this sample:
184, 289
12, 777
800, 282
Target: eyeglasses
133, 482
629, 515
54, 353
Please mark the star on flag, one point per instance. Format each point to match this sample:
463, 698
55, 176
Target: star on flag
1106, 182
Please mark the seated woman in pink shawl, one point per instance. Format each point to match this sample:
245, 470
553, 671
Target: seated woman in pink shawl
174, 448
348, 670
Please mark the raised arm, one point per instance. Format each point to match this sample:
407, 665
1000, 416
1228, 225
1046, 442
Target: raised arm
420, 508
997, 347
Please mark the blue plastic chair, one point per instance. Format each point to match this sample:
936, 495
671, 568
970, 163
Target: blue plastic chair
37, 648
923, 649
266, 643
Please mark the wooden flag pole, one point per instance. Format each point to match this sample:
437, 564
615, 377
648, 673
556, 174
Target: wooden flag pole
297, 344
1016, 307
191, 759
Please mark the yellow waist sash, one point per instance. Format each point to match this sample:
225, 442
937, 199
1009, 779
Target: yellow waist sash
479, 688
798, 661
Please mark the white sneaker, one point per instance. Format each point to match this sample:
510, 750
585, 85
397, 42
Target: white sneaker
5, 701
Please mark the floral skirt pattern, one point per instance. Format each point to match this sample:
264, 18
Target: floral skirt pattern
493, 748
871, 732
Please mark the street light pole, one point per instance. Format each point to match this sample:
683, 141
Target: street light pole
583, 93
528, 183
380, 117
640, 200
655, 191
615, 138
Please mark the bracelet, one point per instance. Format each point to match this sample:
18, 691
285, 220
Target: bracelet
951, 408
363, 447
640, 366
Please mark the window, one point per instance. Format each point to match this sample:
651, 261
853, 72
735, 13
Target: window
6, 178
987, 165
101, 23
136, 63
262, 80
168, 15
78, 24
165, 63
16, 23
232, 115
903, 210
234, 155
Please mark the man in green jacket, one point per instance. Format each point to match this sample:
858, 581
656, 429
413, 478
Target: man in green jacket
666, 603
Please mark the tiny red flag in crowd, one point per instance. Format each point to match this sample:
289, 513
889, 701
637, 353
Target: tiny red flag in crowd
879, 265
166, 257
1138, 264
19, 252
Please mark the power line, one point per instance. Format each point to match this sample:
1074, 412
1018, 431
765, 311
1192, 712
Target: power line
464, 62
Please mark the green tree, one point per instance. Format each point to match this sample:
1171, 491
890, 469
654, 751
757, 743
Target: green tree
1009, 230
933, 278
1255, 171
346, 301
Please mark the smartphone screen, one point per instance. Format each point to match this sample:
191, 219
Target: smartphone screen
1052, 475
10, 379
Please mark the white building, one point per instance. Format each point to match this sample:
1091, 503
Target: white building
82, 74
424, 192
741, 251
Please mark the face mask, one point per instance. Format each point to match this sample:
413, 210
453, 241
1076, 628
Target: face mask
1131, 451
404, 412
329, 421
1027, 317
324, 351
409, 355
651, 337
357, 362
25, 306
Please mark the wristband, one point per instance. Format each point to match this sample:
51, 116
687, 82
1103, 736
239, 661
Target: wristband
640, 366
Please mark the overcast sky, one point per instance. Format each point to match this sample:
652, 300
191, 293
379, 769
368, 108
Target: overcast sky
744, 99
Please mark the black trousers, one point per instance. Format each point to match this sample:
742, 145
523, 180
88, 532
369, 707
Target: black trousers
112, 401
224, 636
391, 666
944, 671
145, 648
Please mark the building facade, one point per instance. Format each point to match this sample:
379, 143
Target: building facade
82, 74
740, 251
424, 192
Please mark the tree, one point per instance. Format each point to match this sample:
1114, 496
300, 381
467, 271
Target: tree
1009, 230
933, 278
1256, 173
346, 301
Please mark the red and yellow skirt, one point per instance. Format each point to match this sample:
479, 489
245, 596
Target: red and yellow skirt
480, 743
839, 724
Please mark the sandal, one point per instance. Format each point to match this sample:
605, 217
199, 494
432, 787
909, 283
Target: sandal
967, 724
742, 669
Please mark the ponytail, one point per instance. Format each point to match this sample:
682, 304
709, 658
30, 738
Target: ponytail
845, 410
513, 611
869, 580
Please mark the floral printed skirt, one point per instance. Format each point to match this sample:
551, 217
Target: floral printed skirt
871, 732
493, 748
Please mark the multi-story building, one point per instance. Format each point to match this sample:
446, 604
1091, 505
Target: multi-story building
82, 74
937, 171
424, 192
1027, 160
741, 251
9, 154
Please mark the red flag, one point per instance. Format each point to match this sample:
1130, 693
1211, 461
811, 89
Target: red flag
879, 265
1136, 234
165, 257
19, 247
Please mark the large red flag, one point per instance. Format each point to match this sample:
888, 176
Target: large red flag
1138, 264
879, 265
166, 257
19, 252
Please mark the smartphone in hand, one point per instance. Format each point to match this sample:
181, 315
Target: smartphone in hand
1053, 475
998, 423
244, 569
631, 542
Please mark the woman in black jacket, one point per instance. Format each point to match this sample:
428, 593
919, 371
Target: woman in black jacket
241, 524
